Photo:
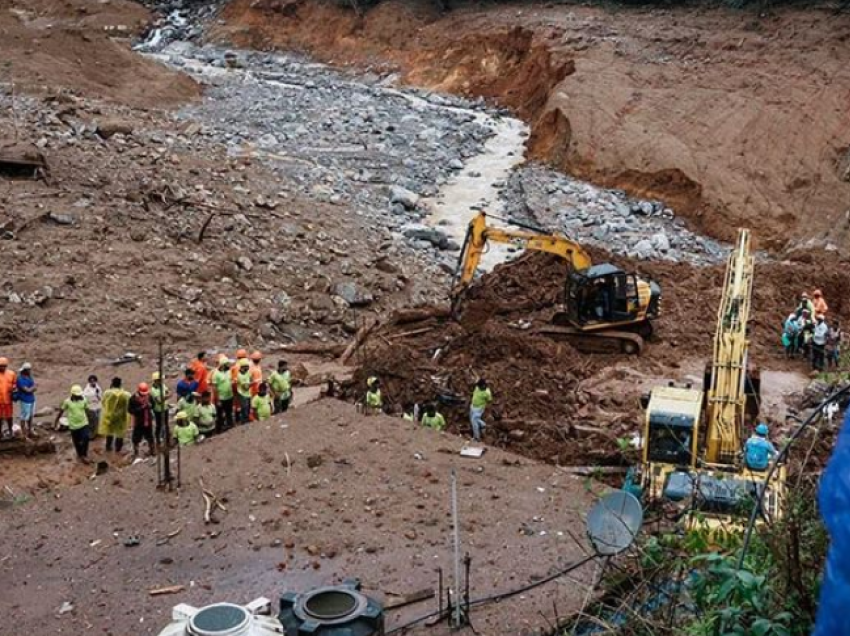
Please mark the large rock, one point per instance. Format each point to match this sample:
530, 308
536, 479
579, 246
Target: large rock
403, 196
432, 235
643, 249
352, 294
660, 242
108, 127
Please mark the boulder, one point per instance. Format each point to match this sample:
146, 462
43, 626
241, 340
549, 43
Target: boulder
352, 294
660, 242
403, 196
643, 249
432, 235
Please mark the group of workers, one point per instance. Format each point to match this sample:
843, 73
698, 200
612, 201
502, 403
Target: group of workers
807, 333
209, 401
427, 414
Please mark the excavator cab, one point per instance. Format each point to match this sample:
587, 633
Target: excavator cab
602, 293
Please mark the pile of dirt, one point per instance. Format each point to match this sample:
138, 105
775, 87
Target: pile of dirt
664, 104
84, 48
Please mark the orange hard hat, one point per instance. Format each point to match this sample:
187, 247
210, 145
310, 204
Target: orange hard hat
144, 389
256, 356
242, 353
4, 362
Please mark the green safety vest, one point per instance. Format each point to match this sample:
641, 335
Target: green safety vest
186, 435
243, 384
437, 421
159, 396
223, 385
262, 405
75, 411
481, 397
281, 383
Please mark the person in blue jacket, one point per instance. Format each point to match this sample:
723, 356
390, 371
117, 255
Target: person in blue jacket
834, 501
758, 451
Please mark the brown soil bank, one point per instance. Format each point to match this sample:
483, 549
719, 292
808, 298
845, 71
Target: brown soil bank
731, 117
84, 47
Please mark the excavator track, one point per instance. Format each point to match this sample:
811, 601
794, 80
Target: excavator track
604, 341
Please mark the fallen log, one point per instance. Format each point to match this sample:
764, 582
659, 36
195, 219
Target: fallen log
27, 447
405, 316
359, 338
171, 589
319, 348
412, 332
590, 471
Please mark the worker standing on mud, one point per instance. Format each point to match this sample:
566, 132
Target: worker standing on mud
74, 408
820, 334
8, 378
481, 397
432, 419
185, 432
188, 384
833, 346
223, 394
202, 374
205, 415
819, 305
25, 387
280, 382
805, 304
94, 400
373, 401
243, 390
261, 404
256, 372
241, 355
141, 409
115, 415
159, 398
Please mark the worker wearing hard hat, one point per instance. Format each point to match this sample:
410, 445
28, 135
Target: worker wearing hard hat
244, 381
185, 432
159, 403
74, 409
241, 354
222, 385
8, 378
141, 410
758, 451
374, 401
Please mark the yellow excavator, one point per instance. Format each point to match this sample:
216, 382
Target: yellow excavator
604, 307
693, 438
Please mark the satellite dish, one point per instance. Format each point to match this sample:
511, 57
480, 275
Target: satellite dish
613, 523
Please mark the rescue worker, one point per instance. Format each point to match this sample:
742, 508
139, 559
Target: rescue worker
74, 408
8, 379
222, 385
408, 412
790, 335
758, 451
202, 374
188, 404
804, 305
261, 404
115, 415
820, 335
94, 400
432, 419
804, 336
25, 388
819, 305
243, 391
188, 384
241, 354
256, 372
374, 401
159, 399
833, 346
280, 382
185, 432
481, 397
140, 408
205, 415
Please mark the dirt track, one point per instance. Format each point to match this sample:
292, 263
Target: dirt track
729, 117
369, 508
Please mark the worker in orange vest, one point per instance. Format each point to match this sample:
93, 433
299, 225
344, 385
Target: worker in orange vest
8, 379
256, 372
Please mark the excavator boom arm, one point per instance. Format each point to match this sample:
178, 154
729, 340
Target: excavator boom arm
479, 234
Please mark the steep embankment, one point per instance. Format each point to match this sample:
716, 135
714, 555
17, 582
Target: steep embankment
730, 117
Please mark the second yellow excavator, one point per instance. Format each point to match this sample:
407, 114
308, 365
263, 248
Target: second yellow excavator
603, 309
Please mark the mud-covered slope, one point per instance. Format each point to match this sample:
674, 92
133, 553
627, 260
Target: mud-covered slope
730, 117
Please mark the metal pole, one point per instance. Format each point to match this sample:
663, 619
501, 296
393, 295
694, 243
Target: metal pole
166, 442
456, 533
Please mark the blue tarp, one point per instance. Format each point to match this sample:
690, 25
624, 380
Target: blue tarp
834, 498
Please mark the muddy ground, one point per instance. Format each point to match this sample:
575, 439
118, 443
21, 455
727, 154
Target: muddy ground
364, 496
707, 109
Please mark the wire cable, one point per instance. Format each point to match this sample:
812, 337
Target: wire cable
780, 459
